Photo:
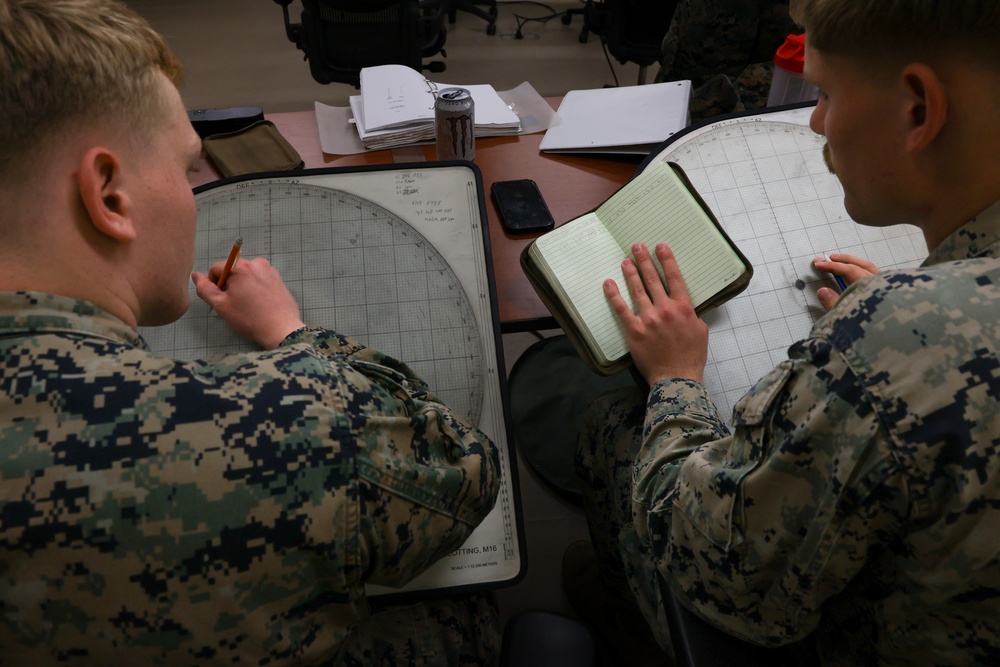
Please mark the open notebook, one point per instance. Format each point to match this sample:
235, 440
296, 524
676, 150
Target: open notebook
568, 266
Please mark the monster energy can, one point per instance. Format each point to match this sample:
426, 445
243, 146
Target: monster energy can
455, 125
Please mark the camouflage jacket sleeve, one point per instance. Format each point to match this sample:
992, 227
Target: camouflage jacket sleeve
860, 476
427, 476
849, 495
164, 512
758, 528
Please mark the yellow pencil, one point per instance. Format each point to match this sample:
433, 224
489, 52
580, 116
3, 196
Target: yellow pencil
234, 255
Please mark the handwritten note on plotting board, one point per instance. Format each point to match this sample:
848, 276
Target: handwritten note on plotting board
764, 178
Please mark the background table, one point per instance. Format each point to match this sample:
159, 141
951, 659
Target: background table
571, 185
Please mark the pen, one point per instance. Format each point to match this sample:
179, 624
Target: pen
840, 281
234, 255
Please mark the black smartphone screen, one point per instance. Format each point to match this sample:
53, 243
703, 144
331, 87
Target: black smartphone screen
522, 209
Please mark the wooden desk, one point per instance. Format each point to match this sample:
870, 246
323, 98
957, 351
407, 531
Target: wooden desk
571, 185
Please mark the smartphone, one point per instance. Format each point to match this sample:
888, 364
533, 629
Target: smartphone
522, 209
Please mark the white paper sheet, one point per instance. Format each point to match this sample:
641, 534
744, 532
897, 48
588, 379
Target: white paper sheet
631, 119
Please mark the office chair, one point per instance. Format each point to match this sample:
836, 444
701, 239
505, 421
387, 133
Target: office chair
698, 643
632, 30
536, 638
472, 7
593, 19
340, 37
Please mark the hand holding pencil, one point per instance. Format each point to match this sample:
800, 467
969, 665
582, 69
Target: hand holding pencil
846, 269
257, 305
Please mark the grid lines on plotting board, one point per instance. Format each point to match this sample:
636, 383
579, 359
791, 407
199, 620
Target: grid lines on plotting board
767, 184
353, 267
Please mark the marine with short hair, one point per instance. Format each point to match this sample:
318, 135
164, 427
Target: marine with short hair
851, 509
221, 511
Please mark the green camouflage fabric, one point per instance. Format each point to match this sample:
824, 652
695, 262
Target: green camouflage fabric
461, 630
229, 511
726, 48
854, 505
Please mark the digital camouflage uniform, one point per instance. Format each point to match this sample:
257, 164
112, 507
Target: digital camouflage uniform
157, 512
858, 495
726, 48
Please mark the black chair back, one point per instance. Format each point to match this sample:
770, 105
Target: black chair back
636, 28
341, 37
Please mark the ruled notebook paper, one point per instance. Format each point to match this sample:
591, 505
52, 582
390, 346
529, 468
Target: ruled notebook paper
581, 258
653, 207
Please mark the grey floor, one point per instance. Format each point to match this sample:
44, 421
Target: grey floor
235, 53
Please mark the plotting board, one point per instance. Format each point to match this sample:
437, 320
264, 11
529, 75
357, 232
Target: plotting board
764, 177
397, 258
352, 266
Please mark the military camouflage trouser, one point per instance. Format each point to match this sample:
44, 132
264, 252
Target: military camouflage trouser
608, 442
460, 630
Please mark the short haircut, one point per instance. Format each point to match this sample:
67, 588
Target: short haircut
65, 62
904, 29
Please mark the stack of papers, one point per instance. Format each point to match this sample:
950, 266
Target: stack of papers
396, 108
629, 120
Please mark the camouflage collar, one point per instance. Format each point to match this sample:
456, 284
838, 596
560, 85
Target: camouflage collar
979, 237
32, 313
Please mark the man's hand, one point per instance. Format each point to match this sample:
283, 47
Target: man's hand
667, 339
256, 304
848, 267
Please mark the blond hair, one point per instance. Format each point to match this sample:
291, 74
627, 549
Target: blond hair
903, 28
75, 61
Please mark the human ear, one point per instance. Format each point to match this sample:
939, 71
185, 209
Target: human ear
927, 105
99, 179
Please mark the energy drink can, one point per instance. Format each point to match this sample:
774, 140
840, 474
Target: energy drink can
455, 124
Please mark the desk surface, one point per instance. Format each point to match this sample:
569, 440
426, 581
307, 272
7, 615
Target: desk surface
571, 185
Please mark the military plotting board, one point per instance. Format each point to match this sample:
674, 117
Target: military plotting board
396, 259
